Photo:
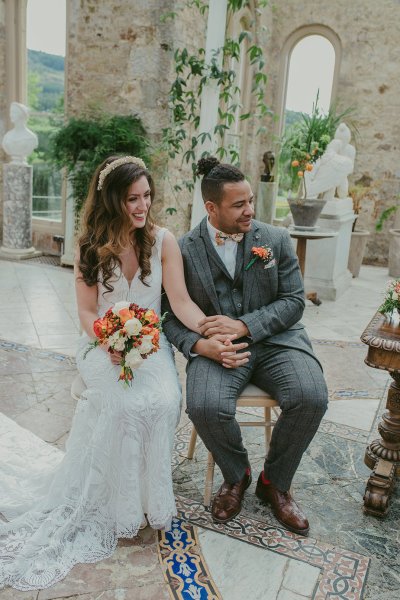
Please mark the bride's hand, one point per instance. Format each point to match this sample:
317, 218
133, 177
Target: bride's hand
115, 357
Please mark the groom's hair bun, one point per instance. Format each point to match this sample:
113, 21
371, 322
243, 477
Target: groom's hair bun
215, 175
206, 164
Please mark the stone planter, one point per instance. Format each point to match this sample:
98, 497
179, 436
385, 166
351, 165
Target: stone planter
394, 253
358, 244
305, 212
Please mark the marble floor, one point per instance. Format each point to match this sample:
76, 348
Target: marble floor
348, 555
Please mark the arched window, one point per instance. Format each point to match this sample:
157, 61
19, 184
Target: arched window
309, 66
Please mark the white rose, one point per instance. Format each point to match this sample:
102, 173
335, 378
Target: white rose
117, 341
146, 344
395, 295
133, 326
119, 306
133, 359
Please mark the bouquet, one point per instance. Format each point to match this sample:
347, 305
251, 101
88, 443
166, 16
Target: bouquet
131, 330
392, 298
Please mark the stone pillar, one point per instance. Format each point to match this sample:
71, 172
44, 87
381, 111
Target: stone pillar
17, 212
266, 201
216, 26
326, 265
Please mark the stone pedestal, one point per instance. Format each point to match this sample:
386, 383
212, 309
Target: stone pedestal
266, 201
326, 269
17, 212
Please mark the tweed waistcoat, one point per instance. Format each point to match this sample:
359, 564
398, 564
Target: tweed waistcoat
229, 291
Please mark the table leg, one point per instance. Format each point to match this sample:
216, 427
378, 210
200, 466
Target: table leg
383, 455
301, 255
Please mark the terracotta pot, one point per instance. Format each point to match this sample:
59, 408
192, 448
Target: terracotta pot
305, 212
358, 243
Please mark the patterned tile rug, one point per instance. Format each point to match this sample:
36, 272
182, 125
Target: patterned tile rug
347, 556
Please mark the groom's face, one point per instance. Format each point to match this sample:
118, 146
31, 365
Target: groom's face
236, 209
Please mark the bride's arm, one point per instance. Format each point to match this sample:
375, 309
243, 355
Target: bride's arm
173, 279
86, 297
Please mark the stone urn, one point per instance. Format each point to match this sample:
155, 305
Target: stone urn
358, 243
305, 212
394, 253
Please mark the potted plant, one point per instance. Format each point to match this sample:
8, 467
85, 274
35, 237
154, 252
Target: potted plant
303, 143
394, 240
359, 237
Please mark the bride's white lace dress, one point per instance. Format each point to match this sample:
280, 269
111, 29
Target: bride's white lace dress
117, 465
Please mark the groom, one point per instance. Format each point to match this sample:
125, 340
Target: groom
245, 276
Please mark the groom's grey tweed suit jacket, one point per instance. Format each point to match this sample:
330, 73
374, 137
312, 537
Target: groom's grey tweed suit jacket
273, 298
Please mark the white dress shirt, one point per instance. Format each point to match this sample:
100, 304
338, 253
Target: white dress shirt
227, 251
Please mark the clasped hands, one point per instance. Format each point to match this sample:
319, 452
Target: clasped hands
218, 332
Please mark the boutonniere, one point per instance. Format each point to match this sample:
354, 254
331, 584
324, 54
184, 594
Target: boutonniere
263, 253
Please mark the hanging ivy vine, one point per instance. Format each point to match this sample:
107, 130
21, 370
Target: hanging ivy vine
182, 137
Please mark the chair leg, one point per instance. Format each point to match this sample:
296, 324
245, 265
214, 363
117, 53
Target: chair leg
209, 480
267, 418
192, 443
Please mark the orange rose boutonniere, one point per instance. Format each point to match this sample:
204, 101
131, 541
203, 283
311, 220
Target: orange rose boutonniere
263, 253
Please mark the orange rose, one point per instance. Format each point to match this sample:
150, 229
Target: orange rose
98, 328
309, 167
300, 174
151, 316
295, 163
125, 314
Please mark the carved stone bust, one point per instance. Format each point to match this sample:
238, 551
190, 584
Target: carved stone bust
20, 141
269, 161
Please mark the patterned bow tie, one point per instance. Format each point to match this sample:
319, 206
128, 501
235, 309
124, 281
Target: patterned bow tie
221, 237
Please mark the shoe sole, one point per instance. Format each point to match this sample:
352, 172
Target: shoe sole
303, 532
216, 520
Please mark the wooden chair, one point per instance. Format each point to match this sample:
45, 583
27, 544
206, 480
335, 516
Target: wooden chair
252, 397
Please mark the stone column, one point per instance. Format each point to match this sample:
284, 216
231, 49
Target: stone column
216, 25
19, 142
17, 212
266, 201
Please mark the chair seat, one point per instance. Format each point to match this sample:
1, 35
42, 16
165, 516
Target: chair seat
253, 390
77, 387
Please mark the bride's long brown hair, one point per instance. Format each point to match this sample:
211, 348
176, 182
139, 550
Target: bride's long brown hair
106, 225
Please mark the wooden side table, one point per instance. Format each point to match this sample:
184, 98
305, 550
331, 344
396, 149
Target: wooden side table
302, 236
382, 337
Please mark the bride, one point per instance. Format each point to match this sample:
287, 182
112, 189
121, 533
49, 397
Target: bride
116, 471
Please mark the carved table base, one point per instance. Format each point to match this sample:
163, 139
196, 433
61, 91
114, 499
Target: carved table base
383, 455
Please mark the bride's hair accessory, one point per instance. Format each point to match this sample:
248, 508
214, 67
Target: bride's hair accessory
117, 163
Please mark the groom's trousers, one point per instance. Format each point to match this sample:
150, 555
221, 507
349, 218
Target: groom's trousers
292, 377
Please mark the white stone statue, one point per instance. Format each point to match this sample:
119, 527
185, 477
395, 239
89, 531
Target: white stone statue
331, 171
20, 141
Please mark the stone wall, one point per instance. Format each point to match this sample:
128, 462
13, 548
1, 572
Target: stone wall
368, 79
3, 107
119, 60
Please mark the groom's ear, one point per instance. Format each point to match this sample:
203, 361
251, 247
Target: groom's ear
210, 207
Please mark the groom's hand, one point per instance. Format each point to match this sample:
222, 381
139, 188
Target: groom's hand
223, 352
222, 325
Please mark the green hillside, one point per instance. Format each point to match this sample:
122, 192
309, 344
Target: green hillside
45, 80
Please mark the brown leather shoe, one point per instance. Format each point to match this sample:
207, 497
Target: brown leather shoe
285, 509
227, 502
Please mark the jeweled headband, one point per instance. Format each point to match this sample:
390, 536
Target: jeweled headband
117, 163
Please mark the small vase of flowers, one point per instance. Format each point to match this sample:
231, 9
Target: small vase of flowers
391, 302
